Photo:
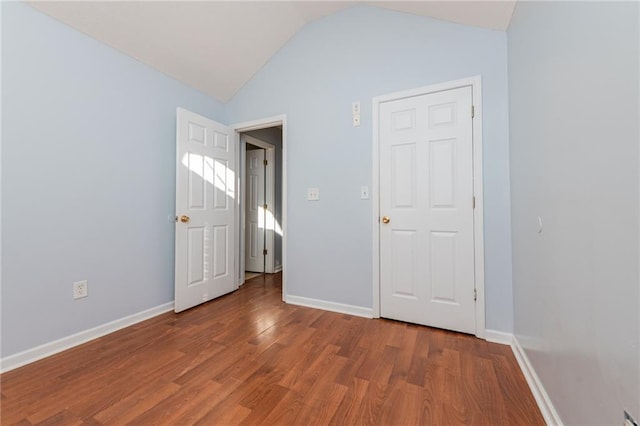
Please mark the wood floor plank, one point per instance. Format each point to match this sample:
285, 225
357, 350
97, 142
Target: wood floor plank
199, 412
63, 417
249, 358
320, 408
263, 404
135, 404
348, 412
286, 410
178, 404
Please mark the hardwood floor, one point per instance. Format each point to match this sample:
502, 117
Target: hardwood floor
249, 358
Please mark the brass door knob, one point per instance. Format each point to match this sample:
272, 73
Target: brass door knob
184, 219
385, 219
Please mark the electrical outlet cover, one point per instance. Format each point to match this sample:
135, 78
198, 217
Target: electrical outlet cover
80, 289
313, 194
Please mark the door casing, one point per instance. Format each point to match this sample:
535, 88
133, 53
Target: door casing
478, 216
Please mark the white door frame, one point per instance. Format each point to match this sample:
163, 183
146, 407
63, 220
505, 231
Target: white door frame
269, 199
263, 123
478, 212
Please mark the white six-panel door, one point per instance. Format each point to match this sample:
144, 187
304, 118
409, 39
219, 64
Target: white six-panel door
205, 209
255, 212
426, 198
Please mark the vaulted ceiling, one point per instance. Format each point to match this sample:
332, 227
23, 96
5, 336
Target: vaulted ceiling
217, 46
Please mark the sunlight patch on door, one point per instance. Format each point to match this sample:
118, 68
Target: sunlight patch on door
215, 172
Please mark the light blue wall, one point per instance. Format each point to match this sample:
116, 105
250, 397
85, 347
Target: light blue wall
88, 144
88, 176
358, 54
573, 81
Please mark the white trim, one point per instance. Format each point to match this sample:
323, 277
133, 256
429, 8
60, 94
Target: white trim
375, 206
549, 412
263, 123
342, 308
270, 199
638, 175
39, 352
500, 337
279, 120
241, 216
478, 213
543, 400
1, 182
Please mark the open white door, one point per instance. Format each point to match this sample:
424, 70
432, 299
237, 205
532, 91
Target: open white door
255, 211
205, 209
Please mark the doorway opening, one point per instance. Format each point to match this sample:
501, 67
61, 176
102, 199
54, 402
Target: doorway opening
260, 211
261, 203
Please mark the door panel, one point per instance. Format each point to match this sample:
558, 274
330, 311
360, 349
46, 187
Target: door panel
404, 175
426, 189
442, 173
205, 193
220, 251
404, 245
443, 266
195, 256
196, 186
223, 178
255, 213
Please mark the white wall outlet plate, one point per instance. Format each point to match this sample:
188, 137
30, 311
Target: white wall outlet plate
80, 289
356, 120
313, 194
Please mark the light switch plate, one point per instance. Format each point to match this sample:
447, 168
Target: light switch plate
364, 192
355, 113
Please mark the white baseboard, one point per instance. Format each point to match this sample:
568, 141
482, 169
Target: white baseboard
549, 412
547, 409
495, 336
34, 354
277, 269
342, 308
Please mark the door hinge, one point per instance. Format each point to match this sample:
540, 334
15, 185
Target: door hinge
265, 207
473, 111
264, 252
474, 202
266, 162
475, 294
